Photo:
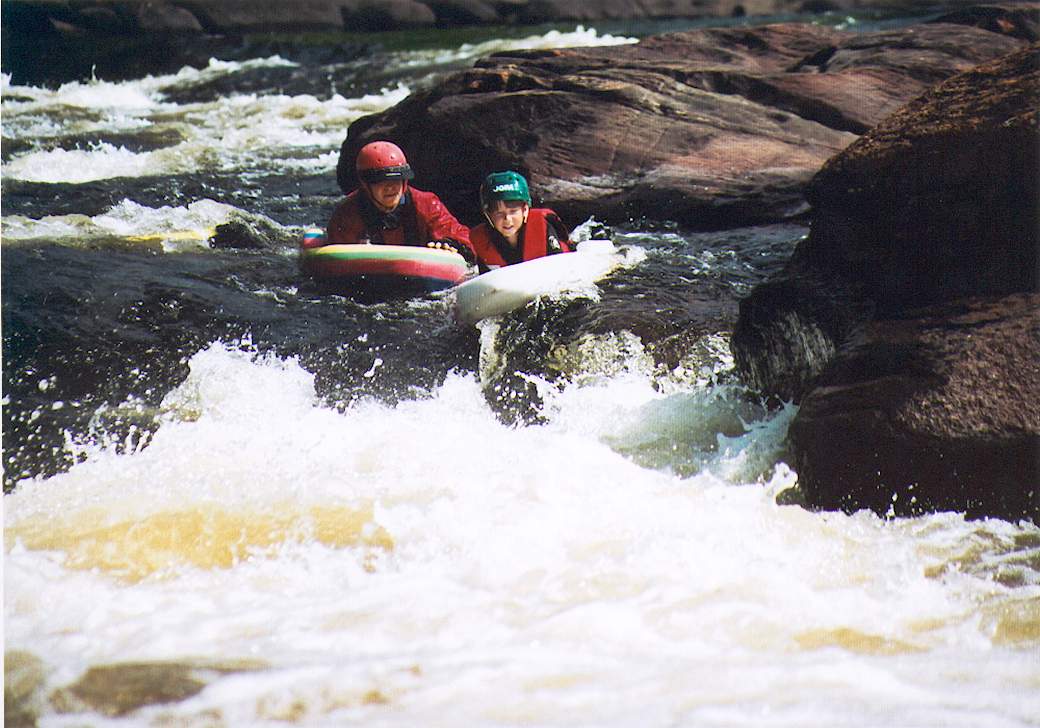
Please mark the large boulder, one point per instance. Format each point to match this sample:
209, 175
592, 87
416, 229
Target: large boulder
939, 410
709, 128
915, 296
940, 200
937, 203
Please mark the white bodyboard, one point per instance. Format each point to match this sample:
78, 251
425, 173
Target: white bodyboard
510, 287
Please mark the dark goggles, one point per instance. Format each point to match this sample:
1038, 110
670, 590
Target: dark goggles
386, 174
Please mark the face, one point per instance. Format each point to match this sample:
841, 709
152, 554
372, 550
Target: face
508, 218
387, 194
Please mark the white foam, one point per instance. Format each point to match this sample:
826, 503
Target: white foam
75, 166
178, 227
232, 133
580, 37
537, 575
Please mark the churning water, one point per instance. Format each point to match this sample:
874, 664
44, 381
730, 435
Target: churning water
237, 500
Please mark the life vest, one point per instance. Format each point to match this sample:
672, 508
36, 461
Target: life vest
423, 218
533, 241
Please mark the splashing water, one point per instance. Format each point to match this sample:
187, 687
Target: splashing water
426, 552
334, 527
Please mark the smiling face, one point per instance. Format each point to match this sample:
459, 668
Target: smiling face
508, 217
386, 195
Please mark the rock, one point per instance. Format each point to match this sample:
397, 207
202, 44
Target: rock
907, 320
382, 15
544, 11
890, 68
248, 16
464, 12
233, 17
936, 411
166, 17
24, 677
941, 200
552, 341
54, 41
789, 330
104, 20
245, 231
120, 689
710, 128
937, 203
1018, 21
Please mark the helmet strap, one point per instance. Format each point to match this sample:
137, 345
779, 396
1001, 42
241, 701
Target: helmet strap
491, 222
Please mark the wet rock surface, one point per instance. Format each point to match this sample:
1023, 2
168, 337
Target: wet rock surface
120, 689
712, 128
921, 269
936, 411
939, 201
236, 16
24, 676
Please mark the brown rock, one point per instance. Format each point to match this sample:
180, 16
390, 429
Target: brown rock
238, 16
789, 329
937, 203
103, 20
942, 199
464, 12
380, 15
906, 409
1018, 20
939, 411
155, 17
710, 128
24, 678
242, 16
120, 689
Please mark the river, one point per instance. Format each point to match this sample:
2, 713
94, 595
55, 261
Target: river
232, 498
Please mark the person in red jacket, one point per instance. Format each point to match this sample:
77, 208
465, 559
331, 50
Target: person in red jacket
386, 210
514, 231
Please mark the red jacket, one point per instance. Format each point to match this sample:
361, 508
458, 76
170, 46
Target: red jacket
533, 243
424, 218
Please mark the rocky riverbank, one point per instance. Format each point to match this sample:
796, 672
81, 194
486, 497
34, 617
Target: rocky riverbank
243, 16
710, 128
48, 42
908, 322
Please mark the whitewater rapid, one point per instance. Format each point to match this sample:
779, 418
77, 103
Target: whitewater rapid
426, 564
326, 523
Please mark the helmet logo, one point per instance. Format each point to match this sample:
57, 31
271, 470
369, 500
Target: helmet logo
504, 186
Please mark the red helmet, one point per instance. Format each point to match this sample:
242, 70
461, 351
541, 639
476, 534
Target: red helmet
382, 161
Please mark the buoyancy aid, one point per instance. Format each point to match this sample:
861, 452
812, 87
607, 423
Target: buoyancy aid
493, 251
421, 218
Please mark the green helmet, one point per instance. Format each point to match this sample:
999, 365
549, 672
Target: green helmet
504, 186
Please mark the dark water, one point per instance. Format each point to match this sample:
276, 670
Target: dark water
92, 329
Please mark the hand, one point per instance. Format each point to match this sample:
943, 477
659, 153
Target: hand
441, 245
454, 247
